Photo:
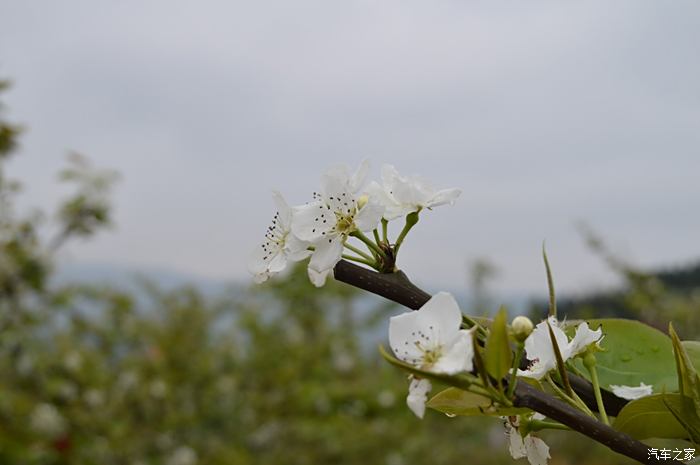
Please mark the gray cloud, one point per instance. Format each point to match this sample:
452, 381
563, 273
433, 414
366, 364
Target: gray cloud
543, 113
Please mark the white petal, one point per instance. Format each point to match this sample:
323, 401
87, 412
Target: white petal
537, 450
277, 263
443, 196
308, 221
335, 182
285, 212
295, 248
328, 252
538, 344
379, 193
260, 278
418, 395
537, 370
583, 338
398, 211
389, 176
458, 357
443, 314
410, 193
516, 446
358, 178
318, 278
260, 257
368, 217
402, 329
632, 392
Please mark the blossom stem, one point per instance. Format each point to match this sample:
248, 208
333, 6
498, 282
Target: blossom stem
589, 362
571, 401
360, 260
368, 242
537, 425
514, 371
377, 240
359, 252
385, 234
411, 220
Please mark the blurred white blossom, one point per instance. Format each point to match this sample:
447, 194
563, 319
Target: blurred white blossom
73, 361
632, 392
45, 419
183, 455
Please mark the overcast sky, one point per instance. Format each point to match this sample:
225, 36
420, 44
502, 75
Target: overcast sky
544, 113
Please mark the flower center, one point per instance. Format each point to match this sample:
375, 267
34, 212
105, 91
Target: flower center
344, 224
430, 356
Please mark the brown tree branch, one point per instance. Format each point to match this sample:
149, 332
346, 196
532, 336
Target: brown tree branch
398, 288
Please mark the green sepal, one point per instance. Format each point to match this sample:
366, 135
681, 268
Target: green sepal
498, 356
454, 401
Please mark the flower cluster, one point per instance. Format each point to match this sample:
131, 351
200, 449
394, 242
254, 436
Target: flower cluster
431, 339
539, 346
344, 207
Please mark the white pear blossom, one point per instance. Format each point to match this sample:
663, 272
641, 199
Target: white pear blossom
540, 352
431, 339
632, 392
279, 246
402, 195
334, 214
45, 419
532, 447
183, 455
418, 395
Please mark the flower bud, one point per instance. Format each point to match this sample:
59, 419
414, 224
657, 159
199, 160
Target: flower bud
522, 327
362, 201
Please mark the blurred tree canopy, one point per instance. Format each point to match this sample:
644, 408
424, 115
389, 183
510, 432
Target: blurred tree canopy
655, 297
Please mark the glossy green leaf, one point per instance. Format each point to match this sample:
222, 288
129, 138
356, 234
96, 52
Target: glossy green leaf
498, 356
688, 380
634, 353
649, 417
693, 350
686, 416
453, 401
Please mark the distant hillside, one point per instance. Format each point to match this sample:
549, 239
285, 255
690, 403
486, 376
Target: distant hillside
681, 283
129, 278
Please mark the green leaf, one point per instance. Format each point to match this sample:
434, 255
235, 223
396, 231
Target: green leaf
453, 401
686, 416
461, 381
688, 380
550, 285
649, 417
498, 356
692, 348
634, 353
561, 367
